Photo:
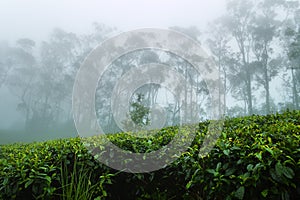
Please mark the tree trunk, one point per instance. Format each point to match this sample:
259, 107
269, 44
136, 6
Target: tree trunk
248, 85
295, 94
267, 88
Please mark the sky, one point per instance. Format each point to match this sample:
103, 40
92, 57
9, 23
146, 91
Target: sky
36, 18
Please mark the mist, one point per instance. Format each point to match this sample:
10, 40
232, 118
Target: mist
43, 44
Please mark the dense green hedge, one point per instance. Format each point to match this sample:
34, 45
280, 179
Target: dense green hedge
256, 157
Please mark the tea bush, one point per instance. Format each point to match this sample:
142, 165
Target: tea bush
256, 157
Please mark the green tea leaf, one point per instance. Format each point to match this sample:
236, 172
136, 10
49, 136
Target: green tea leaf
279, 168
265, 192
239, 194
188, 185
29, 182
250, 167
226, 152
288, 172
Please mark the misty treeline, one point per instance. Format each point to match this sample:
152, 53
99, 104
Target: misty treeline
255, 46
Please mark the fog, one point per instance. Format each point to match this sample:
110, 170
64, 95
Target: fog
254, 45
35, 19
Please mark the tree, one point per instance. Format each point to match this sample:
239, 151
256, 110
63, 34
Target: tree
57, 69
291, 41
218, 43
264, 31
139, 114
23, 76
239, 23
294, 57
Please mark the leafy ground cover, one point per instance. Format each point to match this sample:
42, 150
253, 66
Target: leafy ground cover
256, 157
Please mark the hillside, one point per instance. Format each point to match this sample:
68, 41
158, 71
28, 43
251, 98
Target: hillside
256, 157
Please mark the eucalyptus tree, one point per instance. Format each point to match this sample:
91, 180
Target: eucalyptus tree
22, 79
289, 38
293, 52
56, 76
132, 61
106, 85
239, 22
265, 32
150, 91
219, 44
192, 77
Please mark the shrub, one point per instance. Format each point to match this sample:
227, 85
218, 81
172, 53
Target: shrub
256, 157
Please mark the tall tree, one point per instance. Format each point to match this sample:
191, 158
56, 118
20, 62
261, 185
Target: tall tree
238, 22
218, 43
294, 58
23, 76
264, 32
56, 75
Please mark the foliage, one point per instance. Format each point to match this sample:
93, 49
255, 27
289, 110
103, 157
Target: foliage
139, 114
48, 170
256, 157
77, 183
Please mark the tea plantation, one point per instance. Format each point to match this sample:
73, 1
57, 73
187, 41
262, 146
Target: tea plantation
256, 157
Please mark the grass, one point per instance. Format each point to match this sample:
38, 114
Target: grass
76, 183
